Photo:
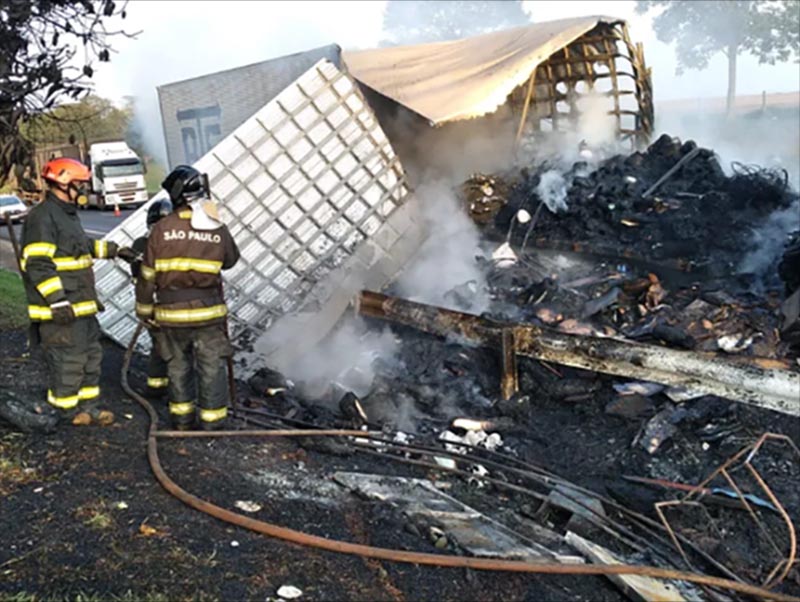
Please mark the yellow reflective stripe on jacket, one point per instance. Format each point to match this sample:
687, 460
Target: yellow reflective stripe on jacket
39, 249
101, 249
213, 415
157, 383
201, 314
144, 309
186, 264
50, 286
68, 264
181, 408
88, 393
43, 312
64, 403
147, 273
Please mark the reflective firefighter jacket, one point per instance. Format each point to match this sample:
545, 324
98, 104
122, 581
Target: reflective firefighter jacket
57, 258
179, 284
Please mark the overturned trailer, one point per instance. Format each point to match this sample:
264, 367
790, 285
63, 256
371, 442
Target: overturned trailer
197, 113
442, 100
318, 204
529, 82
311, 186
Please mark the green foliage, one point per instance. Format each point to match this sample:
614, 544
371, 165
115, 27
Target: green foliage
768, 30
13, 304
48, 49
93, 119
420, 21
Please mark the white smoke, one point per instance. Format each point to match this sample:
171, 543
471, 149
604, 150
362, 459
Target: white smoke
447, 259
770, 238
552, 190
596, 126
344, 361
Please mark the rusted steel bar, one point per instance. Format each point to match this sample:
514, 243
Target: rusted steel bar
683, 161
510, 383
748, 380
744, 458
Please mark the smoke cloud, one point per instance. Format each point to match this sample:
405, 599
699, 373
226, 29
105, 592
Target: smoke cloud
447, 259
552, 189
595, 124
769, 240
344, 361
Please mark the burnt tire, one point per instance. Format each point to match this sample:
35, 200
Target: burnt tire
24, 418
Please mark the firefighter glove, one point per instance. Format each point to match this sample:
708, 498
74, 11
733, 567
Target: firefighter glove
62, 312
150, 324
129, 255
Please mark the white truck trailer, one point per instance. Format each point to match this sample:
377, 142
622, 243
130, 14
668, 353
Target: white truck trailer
117, 176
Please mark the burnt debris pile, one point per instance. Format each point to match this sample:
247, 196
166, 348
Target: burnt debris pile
672, 203
593, 274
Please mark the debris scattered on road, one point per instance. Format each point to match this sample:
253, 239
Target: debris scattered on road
246, 506
289, 592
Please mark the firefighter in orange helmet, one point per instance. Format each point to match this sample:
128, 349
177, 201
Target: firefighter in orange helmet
57, 258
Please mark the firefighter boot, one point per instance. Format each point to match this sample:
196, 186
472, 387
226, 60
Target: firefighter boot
92, 412
183, 422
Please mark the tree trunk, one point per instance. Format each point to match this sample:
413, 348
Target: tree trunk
733, 50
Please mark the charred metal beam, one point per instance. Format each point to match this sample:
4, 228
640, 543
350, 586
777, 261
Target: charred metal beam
683, 161
510, 383
754, 381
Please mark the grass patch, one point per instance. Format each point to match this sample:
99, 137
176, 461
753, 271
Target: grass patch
13, 304
96, 516
13, 470
128, 596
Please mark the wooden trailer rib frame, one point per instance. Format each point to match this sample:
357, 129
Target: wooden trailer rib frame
591, 57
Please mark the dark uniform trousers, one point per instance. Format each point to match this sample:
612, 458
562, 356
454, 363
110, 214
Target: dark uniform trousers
157, 375
73, 355
157, 379
196, 368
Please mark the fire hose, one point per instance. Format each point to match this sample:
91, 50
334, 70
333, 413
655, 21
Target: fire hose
388, 554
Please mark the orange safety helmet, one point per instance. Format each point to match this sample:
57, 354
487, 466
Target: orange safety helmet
64, 171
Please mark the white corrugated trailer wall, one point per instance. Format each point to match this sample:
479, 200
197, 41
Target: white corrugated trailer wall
197, 113
317, 201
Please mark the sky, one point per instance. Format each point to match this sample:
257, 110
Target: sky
179, 40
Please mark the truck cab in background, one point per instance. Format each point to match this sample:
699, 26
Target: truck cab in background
117, 176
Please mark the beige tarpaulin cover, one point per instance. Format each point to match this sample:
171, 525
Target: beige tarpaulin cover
462, 79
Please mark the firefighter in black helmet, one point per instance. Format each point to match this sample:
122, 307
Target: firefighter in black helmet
179, 291
157, 379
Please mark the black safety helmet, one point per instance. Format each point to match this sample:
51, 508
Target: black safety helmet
185, 184
157, 210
